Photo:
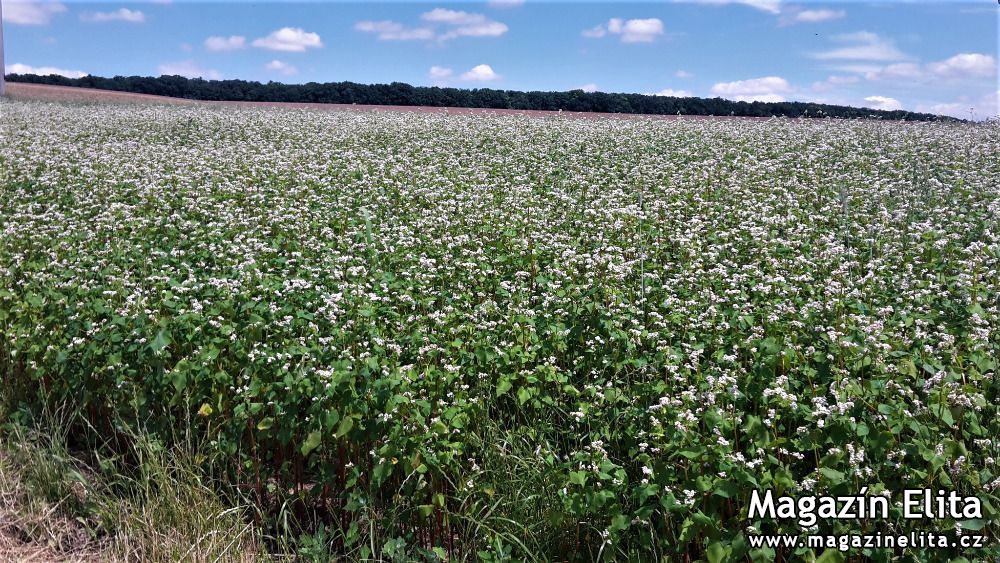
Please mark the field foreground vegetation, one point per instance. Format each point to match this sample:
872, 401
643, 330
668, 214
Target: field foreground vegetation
471, 337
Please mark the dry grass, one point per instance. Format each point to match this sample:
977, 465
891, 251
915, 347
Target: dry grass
36, 500
55, 507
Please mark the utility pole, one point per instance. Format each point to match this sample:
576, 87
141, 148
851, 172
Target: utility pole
3, 70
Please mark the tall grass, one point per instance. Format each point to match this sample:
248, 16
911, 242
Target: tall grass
68, 498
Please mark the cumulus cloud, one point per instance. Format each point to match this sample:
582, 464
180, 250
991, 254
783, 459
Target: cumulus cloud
31, 13
387, 30
119, 15
683, 74
862, 46
188, 69
897, 71
289, 39
672, 93
766, 89
486, 29
480, 73
984, 107
440, 23
440, 72
965, 64
231, 43
641, 31
281, 67
588, 87
769, 6
631, 31
960, 66
19, 68
464, 24
817, 16
454, 17
883, 103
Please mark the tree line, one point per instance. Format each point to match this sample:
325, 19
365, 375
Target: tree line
400, 94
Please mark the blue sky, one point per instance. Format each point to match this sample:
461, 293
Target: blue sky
939, 57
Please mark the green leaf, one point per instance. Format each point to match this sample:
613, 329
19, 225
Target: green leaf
161, 341
345, 426
974, 525
265, 423
312, 442
835, 477
716, 553
726, 489
503, 386
831, 556
523, 395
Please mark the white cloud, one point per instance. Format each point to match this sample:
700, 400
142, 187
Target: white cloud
281, 67
961, 110
121, 14
595, 32
767, 98
631, 31
18, 68
985, 107
452, 17
883, 103
960, 66
589, 87
683, 74
769, 6
440, 72
816, 16
673, 93
965, 64
31, 13
188, 69
231, 43
481, 73
641, 31
455, 23
486, 29
766, 89
289, 39
862, 46
897, 71
464, 24
505, 3
387, 30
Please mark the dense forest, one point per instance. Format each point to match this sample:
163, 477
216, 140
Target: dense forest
401, 94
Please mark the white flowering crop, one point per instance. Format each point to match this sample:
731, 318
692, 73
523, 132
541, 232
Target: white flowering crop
620, 326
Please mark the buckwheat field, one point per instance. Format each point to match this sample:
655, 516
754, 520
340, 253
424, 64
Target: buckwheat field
490, 337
